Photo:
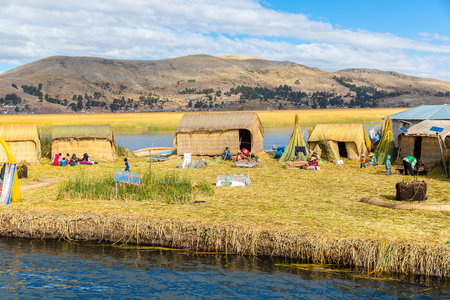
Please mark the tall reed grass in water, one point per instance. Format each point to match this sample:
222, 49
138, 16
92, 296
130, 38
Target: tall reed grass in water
169, 120
169, 188
46, 146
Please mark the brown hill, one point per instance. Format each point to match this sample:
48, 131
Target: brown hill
160, 84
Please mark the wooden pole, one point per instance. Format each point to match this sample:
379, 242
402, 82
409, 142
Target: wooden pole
151, 163
116, 190
443, 156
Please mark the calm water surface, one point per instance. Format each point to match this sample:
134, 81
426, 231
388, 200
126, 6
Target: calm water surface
47, 269
145, 139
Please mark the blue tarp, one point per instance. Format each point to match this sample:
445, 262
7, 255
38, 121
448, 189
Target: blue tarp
280, 151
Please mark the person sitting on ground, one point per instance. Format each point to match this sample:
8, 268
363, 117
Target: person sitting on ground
372, 160
73, 160
408, 163
253, 157
55, 160
244, 153
363, 161
313, 156
63, 162
239, 156
314, 161
86, 159
226, 154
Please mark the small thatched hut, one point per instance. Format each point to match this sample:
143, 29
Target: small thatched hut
423, 144
345, 140
210, 133
96, 140
23, 140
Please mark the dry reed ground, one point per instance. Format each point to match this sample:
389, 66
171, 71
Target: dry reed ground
322, 202
312, 215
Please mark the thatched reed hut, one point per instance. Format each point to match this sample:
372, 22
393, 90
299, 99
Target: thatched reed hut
345, 140
23, 140
96, 140
423, 144
210, 133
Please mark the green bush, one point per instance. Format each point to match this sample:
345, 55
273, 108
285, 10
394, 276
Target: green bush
46, 146
121, 151
167, 188
327, 153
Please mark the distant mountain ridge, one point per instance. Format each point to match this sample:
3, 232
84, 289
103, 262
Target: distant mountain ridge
66, 84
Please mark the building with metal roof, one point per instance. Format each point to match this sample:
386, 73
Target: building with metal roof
415, 115
426, 140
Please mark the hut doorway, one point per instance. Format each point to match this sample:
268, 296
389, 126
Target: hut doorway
418, 147
342, 149
245, 139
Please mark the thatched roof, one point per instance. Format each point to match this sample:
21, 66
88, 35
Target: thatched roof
104, 131
423, 128
20, 132
341, 133
210, 122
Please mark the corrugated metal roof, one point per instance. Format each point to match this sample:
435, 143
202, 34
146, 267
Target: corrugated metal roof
424, 112
196, 122
423, 128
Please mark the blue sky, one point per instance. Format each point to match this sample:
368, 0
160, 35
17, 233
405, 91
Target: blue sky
399, 17
411, 37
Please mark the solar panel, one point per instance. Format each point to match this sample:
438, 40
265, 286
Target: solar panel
436, 129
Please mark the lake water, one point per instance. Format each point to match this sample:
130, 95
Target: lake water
145, 139
51, 269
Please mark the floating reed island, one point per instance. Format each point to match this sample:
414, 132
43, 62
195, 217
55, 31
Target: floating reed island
311, 216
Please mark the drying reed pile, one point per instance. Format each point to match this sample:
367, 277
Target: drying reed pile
310, 215
386, 146
296, 141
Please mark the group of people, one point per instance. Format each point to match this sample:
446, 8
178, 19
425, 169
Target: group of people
371, 161
243, 154
409, 163
73, 160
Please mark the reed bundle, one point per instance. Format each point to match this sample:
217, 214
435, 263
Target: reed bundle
386, 146
295, 141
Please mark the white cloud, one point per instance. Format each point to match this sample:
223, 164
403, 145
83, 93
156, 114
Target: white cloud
142, 29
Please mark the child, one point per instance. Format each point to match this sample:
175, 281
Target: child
63, 162
363, 161
127, 166
388, 165
372, 160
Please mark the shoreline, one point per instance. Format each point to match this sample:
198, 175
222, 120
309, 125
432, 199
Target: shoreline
370, 254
